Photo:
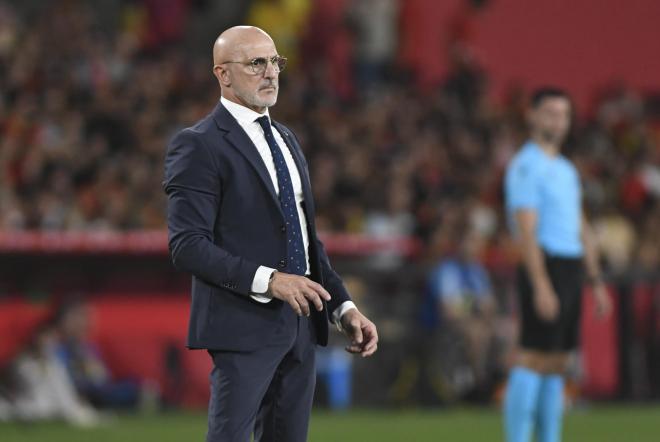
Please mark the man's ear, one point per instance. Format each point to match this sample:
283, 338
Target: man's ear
222, 74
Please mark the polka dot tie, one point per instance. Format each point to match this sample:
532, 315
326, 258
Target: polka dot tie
296, 261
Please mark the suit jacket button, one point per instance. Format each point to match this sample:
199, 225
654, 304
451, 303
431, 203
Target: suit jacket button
282, 263
283, 228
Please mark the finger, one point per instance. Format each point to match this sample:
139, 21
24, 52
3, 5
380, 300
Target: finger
370, 345
371, 336
304, 305
318, 288
369, 349
293, 302
356, 332
355, 349
368, 352
314, 297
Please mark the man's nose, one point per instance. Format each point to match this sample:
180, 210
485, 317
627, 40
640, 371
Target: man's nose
271, 71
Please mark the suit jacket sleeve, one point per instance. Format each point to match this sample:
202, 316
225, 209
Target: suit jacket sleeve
194, 190
331, 281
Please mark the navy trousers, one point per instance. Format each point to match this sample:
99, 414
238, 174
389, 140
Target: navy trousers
267, 392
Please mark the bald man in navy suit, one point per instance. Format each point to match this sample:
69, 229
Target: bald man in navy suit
241, 220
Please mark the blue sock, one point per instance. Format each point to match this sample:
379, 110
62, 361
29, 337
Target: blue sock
520, 404
550, 408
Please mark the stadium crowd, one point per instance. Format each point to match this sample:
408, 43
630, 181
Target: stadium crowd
85, 116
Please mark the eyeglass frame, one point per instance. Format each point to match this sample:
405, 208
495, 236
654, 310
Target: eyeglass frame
274, 60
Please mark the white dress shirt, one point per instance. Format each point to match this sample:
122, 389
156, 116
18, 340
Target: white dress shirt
246, 118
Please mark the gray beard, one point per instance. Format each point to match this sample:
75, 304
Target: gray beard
256, 102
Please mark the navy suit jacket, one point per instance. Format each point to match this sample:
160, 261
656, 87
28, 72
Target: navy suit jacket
224, 221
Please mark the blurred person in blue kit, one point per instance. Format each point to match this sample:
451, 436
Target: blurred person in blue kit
87, 368
241, 219
459, 311
454, 351
544, 208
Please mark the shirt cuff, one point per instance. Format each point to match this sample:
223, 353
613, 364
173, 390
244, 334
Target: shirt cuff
260, 285
340, 311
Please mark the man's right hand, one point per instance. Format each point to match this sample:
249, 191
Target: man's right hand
546, 302
298, 291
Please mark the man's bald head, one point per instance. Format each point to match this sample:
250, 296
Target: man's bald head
230, 45
239, 81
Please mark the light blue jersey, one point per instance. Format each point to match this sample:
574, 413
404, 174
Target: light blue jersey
550, 185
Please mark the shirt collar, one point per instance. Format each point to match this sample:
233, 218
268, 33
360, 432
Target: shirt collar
241, 113
533, 146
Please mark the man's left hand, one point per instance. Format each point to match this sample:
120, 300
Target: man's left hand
361, 332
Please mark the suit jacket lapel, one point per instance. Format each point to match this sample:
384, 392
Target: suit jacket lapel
240, 141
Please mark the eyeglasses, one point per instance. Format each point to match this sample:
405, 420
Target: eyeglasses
258, 65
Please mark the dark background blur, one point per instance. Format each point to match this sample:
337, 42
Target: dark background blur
408, 112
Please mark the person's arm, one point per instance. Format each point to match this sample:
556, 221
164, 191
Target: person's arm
193, 187
545, 298
340, 298
592, 266
361, 332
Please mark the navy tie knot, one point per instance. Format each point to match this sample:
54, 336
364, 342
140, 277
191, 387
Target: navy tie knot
264, 122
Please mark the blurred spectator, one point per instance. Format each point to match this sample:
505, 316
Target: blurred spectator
374, 25
42, 388
616, 238
460, 304
86, 367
